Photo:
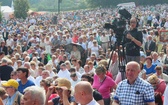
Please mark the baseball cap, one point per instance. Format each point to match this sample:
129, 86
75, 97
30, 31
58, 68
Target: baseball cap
12, 83
63, 82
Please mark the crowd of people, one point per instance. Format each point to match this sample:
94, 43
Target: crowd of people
70, 61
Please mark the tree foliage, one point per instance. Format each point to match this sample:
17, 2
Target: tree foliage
21, 7
0, 14
107, 3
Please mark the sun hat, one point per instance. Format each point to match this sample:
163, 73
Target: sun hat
12, 83
63, 82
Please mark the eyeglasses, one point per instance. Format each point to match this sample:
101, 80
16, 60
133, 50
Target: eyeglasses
133, 22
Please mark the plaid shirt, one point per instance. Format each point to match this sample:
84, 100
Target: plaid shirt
138, 93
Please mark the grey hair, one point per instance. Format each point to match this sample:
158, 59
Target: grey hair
4, 60
46, 71
37, 93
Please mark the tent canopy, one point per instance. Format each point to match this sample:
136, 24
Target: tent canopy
129, 4
6, 9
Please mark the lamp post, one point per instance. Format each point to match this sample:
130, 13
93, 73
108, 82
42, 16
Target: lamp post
59, 2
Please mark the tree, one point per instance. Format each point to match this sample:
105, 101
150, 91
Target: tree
21, 7
0, 14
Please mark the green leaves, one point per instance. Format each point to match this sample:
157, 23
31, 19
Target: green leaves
21, 8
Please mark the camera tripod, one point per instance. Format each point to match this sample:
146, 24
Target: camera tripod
120, 48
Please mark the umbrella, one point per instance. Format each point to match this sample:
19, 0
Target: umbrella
69, 47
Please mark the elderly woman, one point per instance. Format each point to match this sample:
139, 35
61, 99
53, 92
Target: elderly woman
149, 67
103, 84
159, 73
63, 89
159, 85
75, 53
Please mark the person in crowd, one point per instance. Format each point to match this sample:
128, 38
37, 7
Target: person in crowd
75, 53
134, 40
34, 95
159, 85
158, 99
64, 73
4, 48
142, 74
113, 67
63, 89
155, 59
79, 67
23, 82
3, 95
166, 96
103, 84
104, 62
95, 48
14, 96
159, 73
96, 95
150, 45
149, 67
68, 64
74, 79
91, 67
83, 94
165, 63
5, 70
13, 75
134, 86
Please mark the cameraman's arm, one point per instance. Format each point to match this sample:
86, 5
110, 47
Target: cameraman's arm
137, 42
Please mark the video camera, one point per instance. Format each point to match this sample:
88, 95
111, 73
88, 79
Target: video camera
119, 24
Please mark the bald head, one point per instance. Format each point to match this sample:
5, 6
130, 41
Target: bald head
84, 86
83, 92
135, 64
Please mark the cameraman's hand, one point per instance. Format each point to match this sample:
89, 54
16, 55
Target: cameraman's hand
129, 36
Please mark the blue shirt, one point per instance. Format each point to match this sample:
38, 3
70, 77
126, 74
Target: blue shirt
10, 100
22, 87
150, 70
138, 93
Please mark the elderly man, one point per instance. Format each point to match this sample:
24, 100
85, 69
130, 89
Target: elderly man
84, 94
34, 95
14, 95
133, 90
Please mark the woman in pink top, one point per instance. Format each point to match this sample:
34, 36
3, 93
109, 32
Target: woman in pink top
104, 84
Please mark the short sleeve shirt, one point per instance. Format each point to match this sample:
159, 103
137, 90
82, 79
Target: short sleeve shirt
138, 93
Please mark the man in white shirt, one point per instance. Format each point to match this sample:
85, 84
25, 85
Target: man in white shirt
74, 79
84, 94
64, 73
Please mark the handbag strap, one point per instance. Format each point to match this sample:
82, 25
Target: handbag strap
101, 83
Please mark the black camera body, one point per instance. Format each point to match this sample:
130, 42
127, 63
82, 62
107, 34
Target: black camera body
119, 24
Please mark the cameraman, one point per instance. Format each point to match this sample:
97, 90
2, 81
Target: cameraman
133, 42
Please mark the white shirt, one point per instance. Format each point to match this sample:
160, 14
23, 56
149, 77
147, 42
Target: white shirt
9, 42
166, 96
73, 83
93, 102
64, 74
38, 80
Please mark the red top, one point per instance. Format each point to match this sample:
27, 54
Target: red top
109, 74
